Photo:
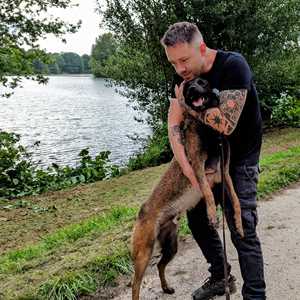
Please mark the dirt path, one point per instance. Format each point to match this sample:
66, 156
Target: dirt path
279, 231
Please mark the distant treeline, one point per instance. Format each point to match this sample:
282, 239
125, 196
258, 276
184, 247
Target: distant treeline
64, 62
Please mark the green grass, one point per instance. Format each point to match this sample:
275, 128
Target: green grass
103, 270
68, 287
87, 246
13, 261
278, 170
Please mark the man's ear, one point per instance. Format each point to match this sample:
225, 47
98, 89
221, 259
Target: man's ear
202, 48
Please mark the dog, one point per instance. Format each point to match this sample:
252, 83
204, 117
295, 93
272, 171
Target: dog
158, 217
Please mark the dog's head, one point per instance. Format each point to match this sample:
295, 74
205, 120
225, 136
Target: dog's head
198, 94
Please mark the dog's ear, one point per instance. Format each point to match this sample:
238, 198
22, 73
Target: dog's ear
213, 99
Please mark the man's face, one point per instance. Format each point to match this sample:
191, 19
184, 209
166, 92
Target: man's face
187, 59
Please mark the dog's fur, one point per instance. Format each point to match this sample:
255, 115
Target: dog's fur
158, 217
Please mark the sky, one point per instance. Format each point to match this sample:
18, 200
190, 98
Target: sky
80, 42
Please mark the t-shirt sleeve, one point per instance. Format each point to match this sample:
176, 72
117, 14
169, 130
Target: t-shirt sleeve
237, 74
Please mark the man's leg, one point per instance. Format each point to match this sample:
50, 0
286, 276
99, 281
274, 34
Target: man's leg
248, 248
208, 240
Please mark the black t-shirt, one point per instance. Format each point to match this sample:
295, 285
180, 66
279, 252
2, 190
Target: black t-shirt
231, 71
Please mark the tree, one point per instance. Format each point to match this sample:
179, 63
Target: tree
54, 68
265, 32
40, 67
73, 63
59, 60
104, 47
21, 26
86, 63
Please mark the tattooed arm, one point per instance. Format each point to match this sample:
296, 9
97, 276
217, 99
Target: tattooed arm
225, 117
175, 120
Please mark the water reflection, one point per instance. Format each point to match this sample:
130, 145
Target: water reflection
69, 114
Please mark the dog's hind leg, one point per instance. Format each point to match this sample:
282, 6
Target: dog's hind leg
142, 247
231, 191
168, 241
235, 204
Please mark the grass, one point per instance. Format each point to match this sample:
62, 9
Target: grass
279, 170
68, 287
13, 260
79, 241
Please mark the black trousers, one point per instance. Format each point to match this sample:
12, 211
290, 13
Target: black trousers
248, 248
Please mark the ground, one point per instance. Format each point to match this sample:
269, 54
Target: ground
279, 232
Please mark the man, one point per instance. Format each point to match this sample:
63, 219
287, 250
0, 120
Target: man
238, 117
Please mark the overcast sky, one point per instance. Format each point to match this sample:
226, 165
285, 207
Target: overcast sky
80, 42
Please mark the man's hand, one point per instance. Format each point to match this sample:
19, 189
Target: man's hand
179, 92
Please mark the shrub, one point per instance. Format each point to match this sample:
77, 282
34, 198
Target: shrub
19, 176
286, 111
16, 168
156, 152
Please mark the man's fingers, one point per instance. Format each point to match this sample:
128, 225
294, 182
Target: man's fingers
176, 91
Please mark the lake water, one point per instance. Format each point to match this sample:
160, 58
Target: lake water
69, 114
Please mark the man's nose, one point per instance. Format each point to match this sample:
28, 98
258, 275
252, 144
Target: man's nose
181, 69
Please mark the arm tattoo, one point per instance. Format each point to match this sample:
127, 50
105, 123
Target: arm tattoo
226, 117
215, 119
232, 103
177, 132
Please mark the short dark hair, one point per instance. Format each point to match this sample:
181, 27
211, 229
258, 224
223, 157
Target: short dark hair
181, 32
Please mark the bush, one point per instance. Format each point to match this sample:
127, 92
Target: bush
286, 111
16, 168
156, 152
19, 176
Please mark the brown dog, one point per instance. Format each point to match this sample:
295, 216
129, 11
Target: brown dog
173, 196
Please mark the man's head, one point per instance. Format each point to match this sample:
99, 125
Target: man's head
185, 49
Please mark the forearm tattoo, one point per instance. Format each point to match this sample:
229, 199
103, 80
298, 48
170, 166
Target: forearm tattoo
225, 118
177, 133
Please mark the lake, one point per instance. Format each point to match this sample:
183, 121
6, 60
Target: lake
71, 113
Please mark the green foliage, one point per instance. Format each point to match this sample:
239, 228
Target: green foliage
19, 176
25, 18
265, 32
65, 62
104, 47
73, 63
16, 169
86, 63
286, 111
157, 151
